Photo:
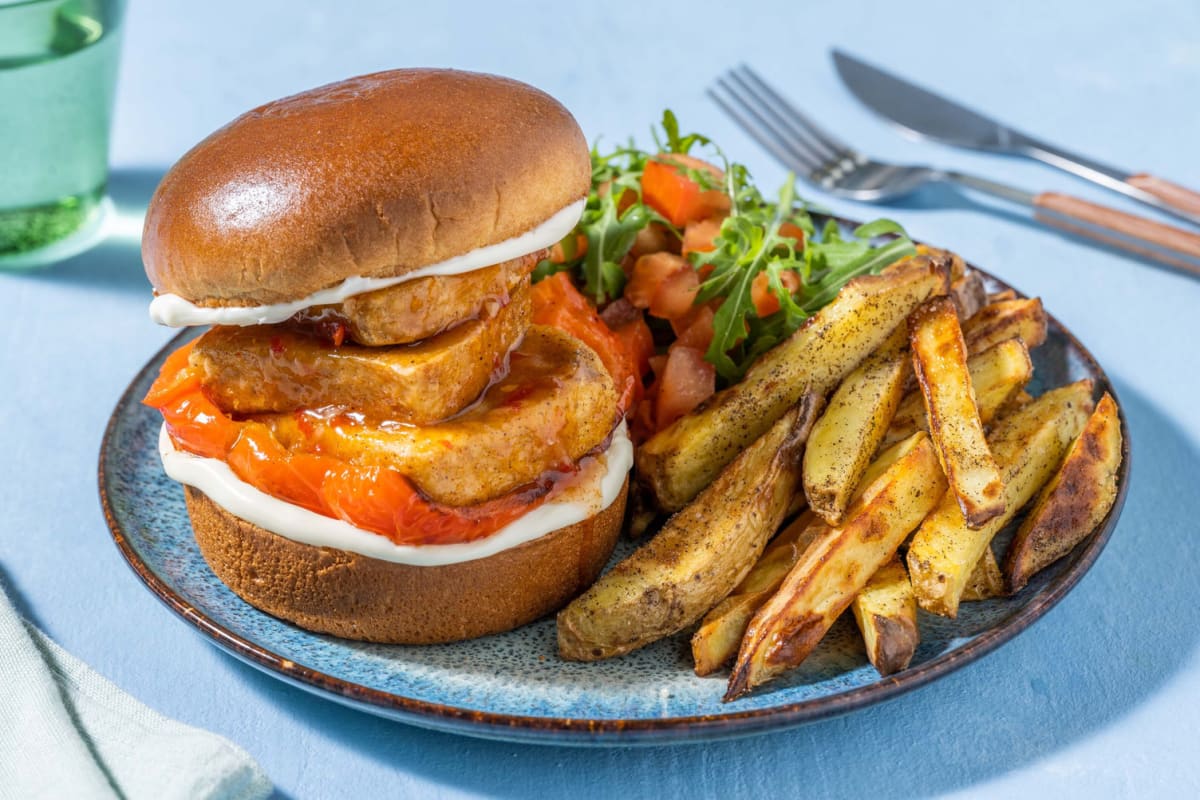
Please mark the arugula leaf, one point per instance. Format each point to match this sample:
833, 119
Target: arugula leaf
750, 243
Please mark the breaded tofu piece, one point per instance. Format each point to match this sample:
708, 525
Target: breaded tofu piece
268, 368
556, 404
424, 307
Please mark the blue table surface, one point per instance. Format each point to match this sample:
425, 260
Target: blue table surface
1099, 699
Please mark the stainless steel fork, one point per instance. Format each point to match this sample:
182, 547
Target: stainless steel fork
826, 162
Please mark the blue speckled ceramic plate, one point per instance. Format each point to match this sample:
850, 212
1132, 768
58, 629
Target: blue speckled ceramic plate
513, 686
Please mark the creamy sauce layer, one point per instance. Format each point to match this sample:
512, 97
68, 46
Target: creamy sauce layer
579, 501
173, 310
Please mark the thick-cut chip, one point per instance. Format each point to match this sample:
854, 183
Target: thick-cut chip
700, 554
953, 262
680, 460
886, 613
269, 368
845, 438
997, 375
838, 565
1073, 502
556, 404
969, 295
1028, 445
1004, 320
716, 641
424, 307
940, 362
986, 581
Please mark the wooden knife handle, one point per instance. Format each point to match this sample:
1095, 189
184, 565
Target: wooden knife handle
1154, 240
1174, 195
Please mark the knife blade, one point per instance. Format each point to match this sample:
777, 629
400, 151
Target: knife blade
925, 115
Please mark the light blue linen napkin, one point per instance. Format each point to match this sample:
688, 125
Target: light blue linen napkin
67, 732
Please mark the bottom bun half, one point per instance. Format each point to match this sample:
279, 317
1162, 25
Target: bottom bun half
357, 597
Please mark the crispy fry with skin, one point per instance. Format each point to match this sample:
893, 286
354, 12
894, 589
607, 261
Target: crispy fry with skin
997, 375
969, 295
700, 554
886, 613
848, 433
1005, 319
1028, 445
940, 362
1074, 502
986, 581
680, 460
716, 641
838, 565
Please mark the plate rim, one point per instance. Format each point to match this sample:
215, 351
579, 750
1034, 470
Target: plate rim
617, 732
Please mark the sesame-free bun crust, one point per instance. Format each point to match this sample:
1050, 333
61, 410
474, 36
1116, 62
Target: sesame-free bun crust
373, 176
356, 597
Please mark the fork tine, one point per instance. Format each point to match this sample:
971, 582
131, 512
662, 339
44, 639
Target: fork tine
797, 137
801, 119
745, 115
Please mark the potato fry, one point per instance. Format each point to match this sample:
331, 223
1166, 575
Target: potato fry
886, 613
1004, 320
838, 565
969, 295
848, 433
1028, 446
700, 554
997, 375
1003, 294
940, 362
1075, 500
953, 261
716, 641
680, 460
986, 581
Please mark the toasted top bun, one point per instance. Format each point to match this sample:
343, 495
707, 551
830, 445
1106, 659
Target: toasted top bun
373, 176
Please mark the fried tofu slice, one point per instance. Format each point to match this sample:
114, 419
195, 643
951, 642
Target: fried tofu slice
829, 575
1028, 445
272, 368
940, 361
1074, 502
556, 404
886, 613
424, 307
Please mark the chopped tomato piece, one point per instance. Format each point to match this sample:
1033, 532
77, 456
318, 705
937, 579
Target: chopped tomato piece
648, 274
765, 301
676, 294
700, 236
687, 381
654, 238
638, 341
658, 364
568, 248
667, 189
557, 302
794, 232
699, 333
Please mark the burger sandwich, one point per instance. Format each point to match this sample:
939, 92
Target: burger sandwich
375, 439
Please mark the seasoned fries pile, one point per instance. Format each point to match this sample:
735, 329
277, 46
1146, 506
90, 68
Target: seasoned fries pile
898, 420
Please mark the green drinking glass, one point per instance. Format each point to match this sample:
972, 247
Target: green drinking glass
58, 73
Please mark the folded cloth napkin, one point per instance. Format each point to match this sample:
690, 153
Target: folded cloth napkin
66, 732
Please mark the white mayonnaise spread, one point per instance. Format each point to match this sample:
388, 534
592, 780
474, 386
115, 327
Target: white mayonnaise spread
173, 310
576, 502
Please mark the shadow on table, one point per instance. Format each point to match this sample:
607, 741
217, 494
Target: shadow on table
114, 264
1096, 657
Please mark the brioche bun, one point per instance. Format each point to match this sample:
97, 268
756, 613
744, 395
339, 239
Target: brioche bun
356, 597
374, 176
